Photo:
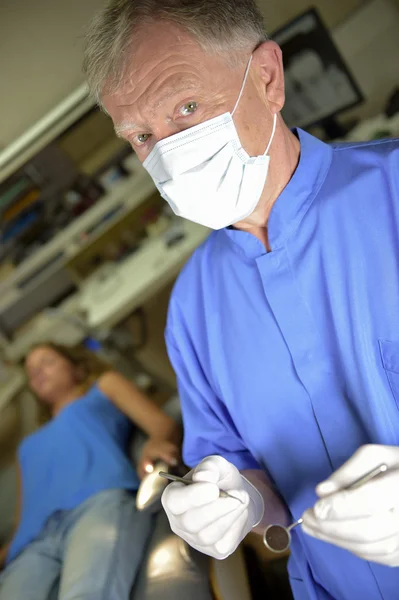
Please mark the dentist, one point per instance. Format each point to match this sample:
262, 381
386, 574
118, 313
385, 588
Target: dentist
283, 328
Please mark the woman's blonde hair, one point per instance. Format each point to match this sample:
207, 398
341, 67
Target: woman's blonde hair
89, 365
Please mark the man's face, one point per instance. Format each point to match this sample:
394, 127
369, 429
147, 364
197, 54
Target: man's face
172, 85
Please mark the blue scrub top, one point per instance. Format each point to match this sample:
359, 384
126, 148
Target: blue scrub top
79, 453
289, 360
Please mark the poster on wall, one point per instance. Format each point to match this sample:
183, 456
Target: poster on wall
318, 83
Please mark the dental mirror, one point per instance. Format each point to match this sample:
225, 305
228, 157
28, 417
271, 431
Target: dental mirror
277, 538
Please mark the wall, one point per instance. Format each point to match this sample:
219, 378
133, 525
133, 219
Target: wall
41, 55
369, 42
366, 33
278, 12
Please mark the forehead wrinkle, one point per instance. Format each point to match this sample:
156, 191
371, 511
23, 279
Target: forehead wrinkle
168, 91
164, 81
163, 69
171, 90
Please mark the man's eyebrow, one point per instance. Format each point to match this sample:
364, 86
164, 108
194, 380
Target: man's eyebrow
120, 128
168, 92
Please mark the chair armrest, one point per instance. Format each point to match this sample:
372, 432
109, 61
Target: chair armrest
152, 486
171, 569
149, 494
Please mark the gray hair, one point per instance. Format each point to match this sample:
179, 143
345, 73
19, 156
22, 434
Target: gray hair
227, 27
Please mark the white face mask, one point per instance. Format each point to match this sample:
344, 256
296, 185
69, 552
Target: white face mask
205, 174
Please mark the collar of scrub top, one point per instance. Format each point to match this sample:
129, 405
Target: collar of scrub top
290, 207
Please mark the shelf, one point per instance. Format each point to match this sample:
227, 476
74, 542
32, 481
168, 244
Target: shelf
134, 194
131, 191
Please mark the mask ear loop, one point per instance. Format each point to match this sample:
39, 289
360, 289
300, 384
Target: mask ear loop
239, 98
273, 132
243, 85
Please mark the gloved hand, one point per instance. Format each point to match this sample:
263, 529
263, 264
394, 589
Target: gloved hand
364, 521
210, 524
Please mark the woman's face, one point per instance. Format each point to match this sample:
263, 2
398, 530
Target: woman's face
49, 373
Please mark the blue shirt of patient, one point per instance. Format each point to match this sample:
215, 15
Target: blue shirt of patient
79, 453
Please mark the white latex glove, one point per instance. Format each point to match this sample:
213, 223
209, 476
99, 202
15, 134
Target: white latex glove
364, 521
210, 524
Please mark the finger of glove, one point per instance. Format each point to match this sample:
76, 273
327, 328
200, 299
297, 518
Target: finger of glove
368, 457
208, 536
229, 542
374, 497
373, 550
389, 560
179, 498
215, 469
224, 547
363, 530
198, 519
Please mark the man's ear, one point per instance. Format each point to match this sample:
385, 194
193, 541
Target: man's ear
268, 59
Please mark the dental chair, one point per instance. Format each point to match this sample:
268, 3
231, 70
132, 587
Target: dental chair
171, 569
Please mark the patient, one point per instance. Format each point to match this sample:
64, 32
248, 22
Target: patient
78, 534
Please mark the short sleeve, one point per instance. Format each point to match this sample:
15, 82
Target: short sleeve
208, 427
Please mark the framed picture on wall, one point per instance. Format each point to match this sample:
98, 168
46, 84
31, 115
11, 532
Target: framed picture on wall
318, 83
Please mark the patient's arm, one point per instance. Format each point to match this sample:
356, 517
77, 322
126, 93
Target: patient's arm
164, 433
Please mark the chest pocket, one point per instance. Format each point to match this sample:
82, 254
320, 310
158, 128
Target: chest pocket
390, 360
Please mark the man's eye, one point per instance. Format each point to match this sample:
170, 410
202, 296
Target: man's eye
188, 108
142, 138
